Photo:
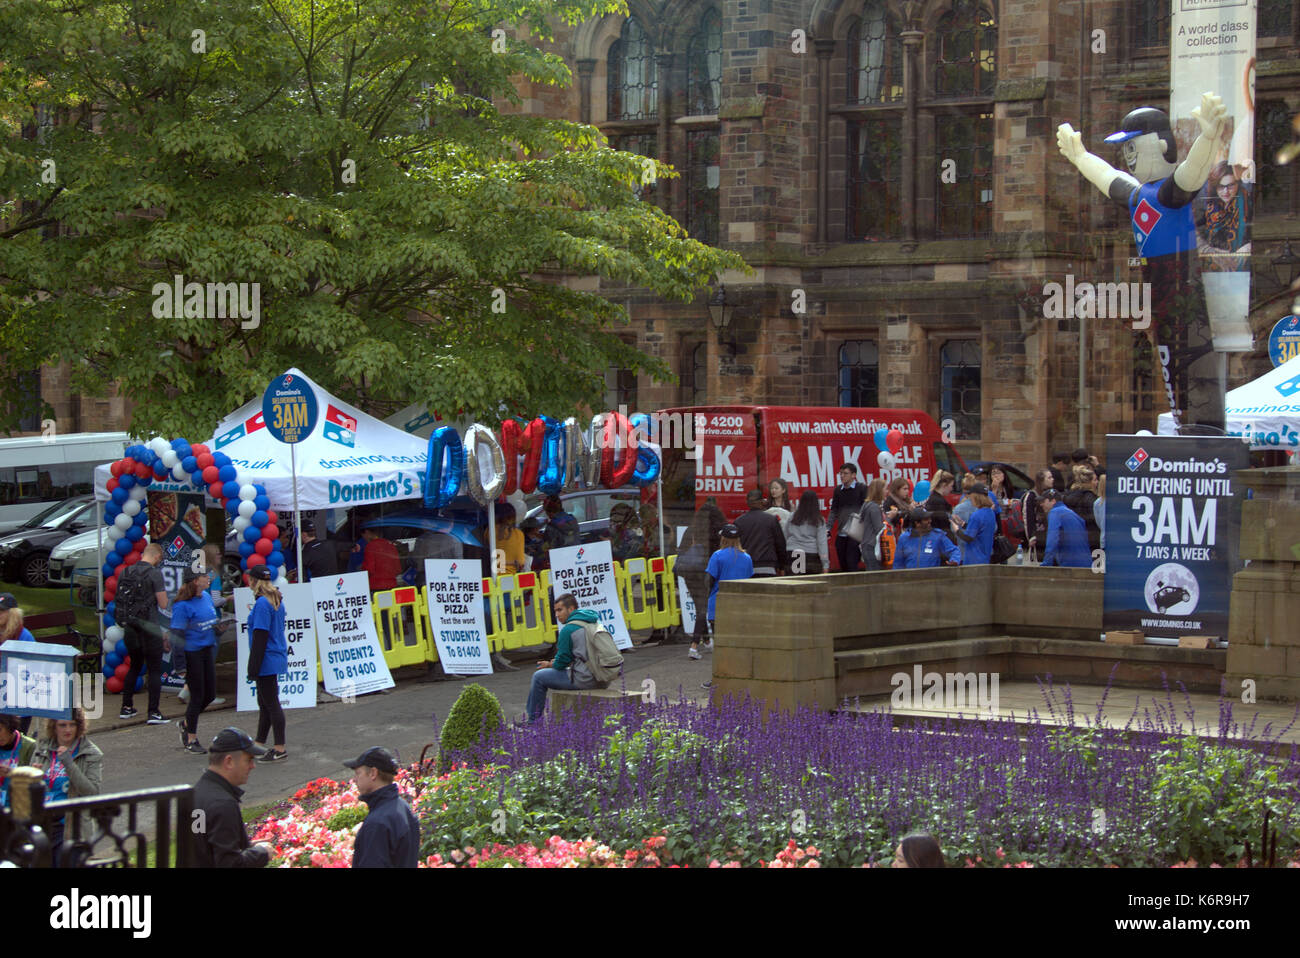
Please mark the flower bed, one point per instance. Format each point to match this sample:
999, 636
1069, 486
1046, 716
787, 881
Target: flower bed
680, 786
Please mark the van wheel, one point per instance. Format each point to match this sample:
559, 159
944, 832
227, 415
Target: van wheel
35, 570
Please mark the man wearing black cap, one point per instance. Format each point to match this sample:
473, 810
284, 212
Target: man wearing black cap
319, 560
390, 835
923, 547
217, 829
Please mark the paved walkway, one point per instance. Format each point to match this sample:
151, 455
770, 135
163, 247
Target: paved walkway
142, 756
1019, 700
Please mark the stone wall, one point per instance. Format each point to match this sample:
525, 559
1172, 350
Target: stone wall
814, 641
1264, 617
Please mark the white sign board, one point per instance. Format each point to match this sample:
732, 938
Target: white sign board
587, 571
298, 684
685, 601
352, 660
455, 595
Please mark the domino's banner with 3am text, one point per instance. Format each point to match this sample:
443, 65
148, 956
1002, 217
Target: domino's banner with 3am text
1173, 519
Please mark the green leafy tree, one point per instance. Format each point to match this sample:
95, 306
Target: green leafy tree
361, 161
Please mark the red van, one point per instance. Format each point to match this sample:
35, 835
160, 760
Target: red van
724, 451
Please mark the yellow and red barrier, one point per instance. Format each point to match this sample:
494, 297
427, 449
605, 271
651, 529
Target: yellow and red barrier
518, 610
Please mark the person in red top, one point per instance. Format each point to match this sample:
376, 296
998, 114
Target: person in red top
380, 561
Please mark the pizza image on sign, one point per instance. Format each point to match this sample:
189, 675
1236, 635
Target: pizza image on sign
162, 514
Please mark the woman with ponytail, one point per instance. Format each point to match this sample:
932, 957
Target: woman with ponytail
268, 658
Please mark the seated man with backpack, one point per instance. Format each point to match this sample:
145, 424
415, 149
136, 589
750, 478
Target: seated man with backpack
585, 656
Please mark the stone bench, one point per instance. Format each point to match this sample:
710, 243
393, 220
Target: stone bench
562, 700
869, 672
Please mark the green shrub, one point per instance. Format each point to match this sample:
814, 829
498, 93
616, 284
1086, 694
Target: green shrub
347, 817
476, 718
1212, 799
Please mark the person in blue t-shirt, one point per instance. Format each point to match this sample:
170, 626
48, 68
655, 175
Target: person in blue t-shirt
195, 617
981, 529
1067, 534
729, 562
11, 620
268, 659
923, 547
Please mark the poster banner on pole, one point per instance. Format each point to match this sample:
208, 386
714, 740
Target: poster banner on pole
685, 601
455, 596
587, 571
1173, 519
298, 685
177, 524
351, 658
1212, 48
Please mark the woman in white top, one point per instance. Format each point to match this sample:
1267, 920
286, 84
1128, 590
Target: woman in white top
778, 501
806, 533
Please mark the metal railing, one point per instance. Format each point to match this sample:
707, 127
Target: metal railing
98, 831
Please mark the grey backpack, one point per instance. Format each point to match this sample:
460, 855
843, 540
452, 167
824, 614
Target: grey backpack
598, 654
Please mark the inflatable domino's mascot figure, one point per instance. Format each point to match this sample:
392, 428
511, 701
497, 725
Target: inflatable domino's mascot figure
1158, 191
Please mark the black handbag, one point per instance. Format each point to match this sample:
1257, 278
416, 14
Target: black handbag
1002, 550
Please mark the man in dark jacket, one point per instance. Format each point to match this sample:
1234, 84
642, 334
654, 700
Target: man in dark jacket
390, 835
318, 558
846, 502
218, 839
762, 538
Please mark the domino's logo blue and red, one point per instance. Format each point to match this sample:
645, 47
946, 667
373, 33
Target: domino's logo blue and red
453, 568
580, 552
339, 426
1290, 387
338, 586
1134, 462
175, 548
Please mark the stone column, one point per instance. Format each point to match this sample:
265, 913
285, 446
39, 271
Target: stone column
911, 89
1263, 634
825, 49
671, 189
585, 69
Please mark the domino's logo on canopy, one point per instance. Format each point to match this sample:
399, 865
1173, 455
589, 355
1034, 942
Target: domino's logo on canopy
340, 427
1134, 462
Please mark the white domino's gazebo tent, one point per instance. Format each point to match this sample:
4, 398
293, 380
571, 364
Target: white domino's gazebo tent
349, 459
1265, 412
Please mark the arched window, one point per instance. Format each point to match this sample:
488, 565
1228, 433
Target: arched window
959, 396
699, 374
874, 182
875, 57
633, 78
859, 363
1151, 23
704, 143
704, 66
966, 60
1279, 189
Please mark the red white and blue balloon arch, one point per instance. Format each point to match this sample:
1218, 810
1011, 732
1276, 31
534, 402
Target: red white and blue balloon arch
127, 518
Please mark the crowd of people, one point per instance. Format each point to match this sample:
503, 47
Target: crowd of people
880, 525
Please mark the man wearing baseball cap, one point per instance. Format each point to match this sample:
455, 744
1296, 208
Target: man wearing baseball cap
390, 835
319, 560
923, 547
218, 838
